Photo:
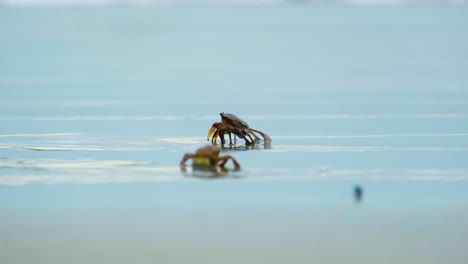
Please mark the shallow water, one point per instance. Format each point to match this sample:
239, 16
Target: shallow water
99, 104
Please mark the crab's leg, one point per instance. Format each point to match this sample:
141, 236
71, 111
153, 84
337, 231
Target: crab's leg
251, 131
184, 160
250, 137
247, 140
265, 136
257, 138
222, 161
241, 133
246, 137
221, 136
231, 130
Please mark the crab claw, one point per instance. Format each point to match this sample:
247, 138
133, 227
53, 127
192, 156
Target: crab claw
212, 130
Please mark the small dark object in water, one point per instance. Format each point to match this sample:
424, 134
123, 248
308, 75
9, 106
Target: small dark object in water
358, 193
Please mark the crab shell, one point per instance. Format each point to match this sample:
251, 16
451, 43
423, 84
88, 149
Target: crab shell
233, 120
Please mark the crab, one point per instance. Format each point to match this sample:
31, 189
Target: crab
231, 124
208, 157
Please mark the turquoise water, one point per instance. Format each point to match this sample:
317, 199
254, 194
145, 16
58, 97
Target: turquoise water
99, 104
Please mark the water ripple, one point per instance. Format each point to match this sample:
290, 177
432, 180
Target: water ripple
92, 171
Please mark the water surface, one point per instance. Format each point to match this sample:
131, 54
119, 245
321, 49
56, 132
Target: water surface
99, 104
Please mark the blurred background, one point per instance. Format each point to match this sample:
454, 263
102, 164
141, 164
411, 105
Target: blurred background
366, 103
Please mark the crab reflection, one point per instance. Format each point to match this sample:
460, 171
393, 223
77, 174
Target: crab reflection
257, 146
207, 172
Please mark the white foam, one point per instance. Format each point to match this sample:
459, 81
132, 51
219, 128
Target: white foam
43, 135
67, 164
183, 140
90, 171
86, 142
84, 171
